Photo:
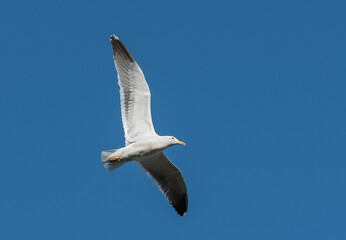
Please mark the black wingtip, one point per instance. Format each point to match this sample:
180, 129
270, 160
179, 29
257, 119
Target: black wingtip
182, 213
114, 38
120, 49
181, 205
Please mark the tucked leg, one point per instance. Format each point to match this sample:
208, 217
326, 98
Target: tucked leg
114, 159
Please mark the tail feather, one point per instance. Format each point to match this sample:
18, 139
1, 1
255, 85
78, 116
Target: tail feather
110, 166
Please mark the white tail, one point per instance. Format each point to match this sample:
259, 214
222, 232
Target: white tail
110, 166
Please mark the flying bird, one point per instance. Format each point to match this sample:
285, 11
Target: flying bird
142, 144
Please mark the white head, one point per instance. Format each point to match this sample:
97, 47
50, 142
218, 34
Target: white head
170, 141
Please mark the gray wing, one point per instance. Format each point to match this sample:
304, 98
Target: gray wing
134, 94
169, 179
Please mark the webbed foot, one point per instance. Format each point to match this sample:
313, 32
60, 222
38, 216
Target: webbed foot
114, 159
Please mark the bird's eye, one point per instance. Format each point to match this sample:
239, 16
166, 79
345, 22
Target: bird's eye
173, 138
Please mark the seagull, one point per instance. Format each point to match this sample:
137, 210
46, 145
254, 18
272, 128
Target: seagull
142, 144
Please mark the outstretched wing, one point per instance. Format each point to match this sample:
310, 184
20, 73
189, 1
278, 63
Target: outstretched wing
134, 94
169, 179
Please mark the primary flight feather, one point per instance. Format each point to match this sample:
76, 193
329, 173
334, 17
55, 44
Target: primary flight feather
143, 145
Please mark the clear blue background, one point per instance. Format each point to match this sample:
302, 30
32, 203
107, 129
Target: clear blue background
255, 88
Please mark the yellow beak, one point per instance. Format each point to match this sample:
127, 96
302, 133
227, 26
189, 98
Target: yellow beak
181, 143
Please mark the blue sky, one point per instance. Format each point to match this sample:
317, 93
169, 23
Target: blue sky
255, 88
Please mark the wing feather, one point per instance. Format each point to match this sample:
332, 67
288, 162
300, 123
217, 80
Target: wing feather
169, 179
134, 94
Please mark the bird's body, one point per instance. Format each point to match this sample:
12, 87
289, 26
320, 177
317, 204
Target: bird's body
143, 145
142, 149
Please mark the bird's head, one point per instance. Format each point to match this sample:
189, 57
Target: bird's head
173, 141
